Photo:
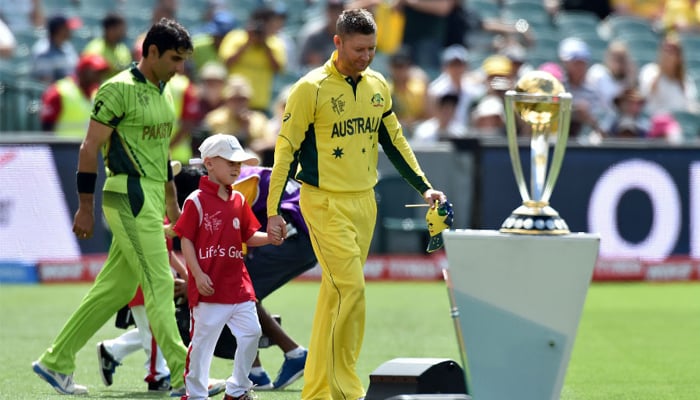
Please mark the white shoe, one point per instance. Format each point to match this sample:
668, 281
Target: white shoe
61, 382
215, 387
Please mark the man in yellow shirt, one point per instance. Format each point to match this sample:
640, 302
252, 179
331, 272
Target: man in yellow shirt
257, 54
336, 116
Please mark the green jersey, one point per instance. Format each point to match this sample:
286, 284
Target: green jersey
142, 115
332, 127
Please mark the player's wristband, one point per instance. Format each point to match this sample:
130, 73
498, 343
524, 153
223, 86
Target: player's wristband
86, 181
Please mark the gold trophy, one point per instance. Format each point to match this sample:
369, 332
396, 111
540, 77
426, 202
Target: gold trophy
541, 102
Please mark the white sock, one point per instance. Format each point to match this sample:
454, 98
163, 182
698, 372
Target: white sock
257, 370
296, 353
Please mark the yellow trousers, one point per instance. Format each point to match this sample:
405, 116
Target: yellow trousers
341, 227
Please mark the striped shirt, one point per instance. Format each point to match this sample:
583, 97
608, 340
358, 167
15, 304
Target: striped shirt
142, 115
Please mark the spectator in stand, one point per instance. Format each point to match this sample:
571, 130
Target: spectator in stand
277, 23
162, 9
210, 95
67, 103
317, 44
617, 72
211, 9
8, 43
22, 16
498, 72
488, 118
186, 103
111, 45
237, 118
601, 8
681, 16
554, 69
665, 84
267, 155
212, 81
409, 90
518, 59
257, 54
454, 79
441, 126
425, 29
207, 43
651, 10
665, 128
587, 108
54, 57
629, 121
462, 21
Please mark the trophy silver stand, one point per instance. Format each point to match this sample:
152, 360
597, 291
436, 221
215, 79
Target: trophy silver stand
518, 293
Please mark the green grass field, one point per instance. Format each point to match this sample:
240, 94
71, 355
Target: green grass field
635, 341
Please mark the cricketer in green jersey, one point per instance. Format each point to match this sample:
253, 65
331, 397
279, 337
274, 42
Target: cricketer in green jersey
131, 123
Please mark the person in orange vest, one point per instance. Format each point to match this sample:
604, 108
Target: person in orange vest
66, 104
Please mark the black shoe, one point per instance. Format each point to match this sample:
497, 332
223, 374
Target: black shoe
107, 364
161, 385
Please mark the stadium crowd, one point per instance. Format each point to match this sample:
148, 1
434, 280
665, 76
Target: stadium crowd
632, 67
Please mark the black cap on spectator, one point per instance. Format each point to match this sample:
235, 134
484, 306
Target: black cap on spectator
56, 22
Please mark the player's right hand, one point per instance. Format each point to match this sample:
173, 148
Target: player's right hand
276, 229
83, 223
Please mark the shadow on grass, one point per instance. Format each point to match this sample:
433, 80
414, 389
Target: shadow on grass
134, 395
160, 395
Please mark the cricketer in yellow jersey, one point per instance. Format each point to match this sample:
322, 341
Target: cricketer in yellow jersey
335, 118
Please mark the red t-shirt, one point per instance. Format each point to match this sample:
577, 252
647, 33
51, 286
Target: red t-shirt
218, 228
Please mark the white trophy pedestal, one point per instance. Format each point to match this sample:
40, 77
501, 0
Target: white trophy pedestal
519, 300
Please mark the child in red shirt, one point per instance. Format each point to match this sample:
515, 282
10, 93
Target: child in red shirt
215, 223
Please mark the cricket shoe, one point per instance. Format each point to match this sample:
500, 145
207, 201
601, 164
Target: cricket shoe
261, 381
292, 369
215, 387
107, 364
160, 385
249, 395
61, 382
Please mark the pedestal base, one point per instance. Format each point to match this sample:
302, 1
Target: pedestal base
519, 299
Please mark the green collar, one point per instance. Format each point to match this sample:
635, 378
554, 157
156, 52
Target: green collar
141, 78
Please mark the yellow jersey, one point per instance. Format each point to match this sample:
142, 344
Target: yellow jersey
331, 129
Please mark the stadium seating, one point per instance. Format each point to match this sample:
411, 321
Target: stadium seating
533, 13
20, 103
571, 22
392, 193
485, 8
616, 25
690, 125
690, 41
642, 50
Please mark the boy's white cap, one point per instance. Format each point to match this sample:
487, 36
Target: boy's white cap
226, 147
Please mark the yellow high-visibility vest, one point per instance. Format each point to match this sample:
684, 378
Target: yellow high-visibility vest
75, 109
178, 85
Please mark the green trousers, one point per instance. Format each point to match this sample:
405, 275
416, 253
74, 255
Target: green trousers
134, 209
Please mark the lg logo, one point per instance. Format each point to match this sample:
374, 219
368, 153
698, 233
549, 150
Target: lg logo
667, 207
